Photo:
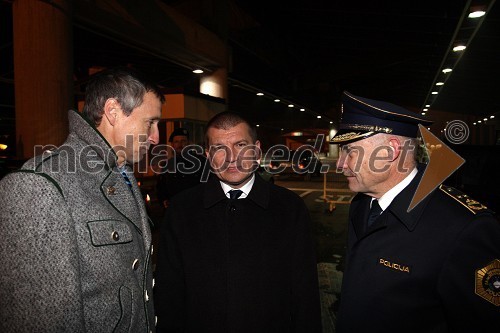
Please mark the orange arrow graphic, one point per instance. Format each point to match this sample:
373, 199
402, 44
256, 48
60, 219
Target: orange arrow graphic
443, 161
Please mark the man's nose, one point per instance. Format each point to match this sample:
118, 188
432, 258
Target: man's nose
231, 154
154, 136
341, 162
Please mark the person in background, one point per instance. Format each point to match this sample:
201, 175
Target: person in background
76, 244
236, 253
183, 170
434, 268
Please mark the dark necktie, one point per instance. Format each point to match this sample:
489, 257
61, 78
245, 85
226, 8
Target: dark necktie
374, 212
235, 194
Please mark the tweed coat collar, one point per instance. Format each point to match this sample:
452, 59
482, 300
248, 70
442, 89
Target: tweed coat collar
213, 192
128, 202
86, 131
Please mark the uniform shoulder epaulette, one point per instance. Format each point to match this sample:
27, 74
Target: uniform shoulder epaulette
462, 198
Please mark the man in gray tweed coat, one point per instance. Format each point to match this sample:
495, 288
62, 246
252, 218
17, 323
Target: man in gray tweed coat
75, 246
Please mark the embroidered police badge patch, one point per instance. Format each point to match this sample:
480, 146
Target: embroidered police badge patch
488, 282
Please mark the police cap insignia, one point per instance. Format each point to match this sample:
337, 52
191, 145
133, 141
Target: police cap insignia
368, 117
488, 282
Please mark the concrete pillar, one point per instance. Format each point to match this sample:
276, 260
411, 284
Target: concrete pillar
43, 67
215, 84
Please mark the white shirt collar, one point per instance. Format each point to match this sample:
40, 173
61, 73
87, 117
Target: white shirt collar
245, 188
387, 198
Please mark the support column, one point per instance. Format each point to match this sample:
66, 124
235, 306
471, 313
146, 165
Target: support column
215, 84
43, 67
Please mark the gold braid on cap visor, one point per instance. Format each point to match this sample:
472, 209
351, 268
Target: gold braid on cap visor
367, 128
350, 136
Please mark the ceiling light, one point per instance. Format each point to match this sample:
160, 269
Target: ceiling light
290, 105
3, 147
319, 117
276, 100
477, 13
434, 92
459, 48
447, 70
425, 109
257, 125
479, 121
485, 119
428, 128
423, 113
282, 129
474, 124
427, 105
331, 122
302, 110
491, 117
439, 83
260, 94
198, 71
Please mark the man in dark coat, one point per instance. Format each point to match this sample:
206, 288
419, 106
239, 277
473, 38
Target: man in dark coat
434, 268
236, 253
75, 248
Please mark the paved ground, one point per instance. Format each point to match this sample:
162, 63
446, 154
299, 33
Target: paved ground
329, 228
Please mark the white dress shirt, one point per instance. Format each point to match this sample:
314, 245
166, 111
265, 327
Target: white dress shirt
245, 188
387, 198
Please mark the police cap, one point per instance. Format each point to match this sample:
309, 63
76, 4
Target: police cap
178, 132
363, 117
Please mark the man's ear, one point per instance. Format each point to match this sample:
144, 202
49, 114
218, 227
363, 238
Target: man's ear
395, 146
111, 110
258, 155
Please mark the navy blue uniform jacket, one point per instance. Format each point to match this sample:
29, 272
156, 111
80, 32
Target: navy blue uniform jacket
241, 266
421, 271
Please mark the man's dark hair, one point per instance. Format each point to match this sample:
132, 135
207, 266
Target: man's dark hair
127, 86
227, 120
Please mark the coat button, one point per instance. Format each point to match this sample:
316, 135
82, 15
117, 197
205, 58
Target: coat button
153, 283
146, 296
156, 320
116, 236
110, 190
151, 249
232, 209
135, 264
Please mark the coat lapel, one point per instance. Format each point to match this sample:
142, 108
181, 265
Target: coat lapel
399, 206
122, 198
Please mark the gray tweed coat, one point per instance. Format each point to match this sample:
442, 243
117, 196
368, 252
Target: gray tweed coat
75, 246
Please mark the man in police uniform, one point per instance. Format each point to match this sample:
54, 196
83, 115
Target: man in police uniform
434, 268
183, 170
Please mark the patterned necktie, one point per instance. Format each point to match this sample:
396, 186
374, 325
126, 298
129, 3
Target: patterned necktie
374, 212
235, 194
125, 177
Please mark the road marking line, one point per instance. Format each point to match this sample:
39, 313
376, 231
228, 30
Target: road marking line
340, 190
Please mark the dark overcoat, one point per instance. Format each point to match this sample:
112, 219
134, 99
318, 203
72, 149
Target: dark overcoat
428, 270
240, 266
75, 248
